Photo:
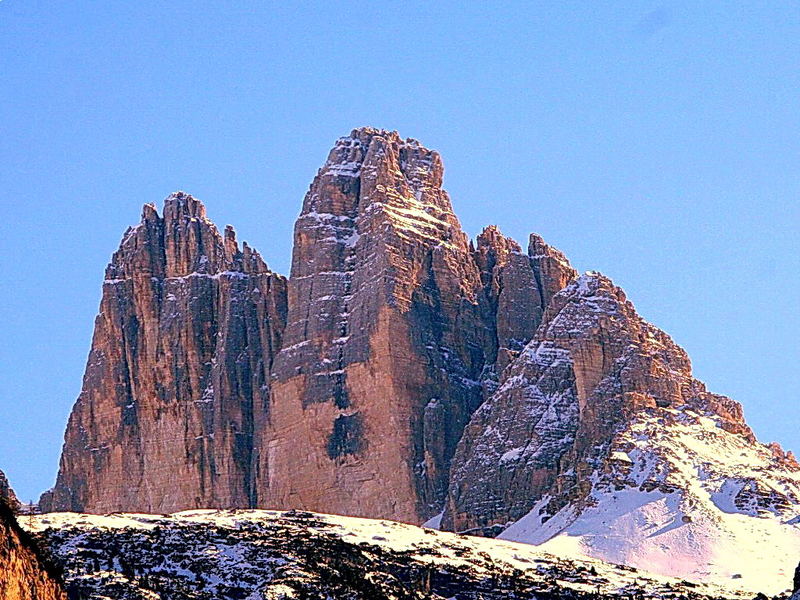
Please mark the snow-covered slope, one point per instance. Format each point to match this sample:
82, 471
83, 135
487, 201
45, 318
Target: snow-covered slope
600, 442
680, 496
268, 555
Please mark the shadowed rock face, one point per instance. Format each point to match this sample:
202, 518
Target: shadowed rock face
24, 573
187, 330
592, 365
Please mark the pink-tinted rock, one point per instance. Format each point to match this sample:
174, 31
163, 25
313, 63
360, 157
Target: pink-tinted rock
180, 361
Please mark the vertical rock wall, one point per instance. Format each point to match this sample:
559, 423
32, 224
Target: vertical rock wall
180, 360
212, 382
384, 345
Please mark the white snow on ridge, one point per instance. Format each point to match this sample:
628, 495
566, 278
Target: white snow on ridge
426, 545
694, 502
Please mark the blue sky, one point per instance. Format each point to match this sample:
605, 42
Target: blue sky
657, 142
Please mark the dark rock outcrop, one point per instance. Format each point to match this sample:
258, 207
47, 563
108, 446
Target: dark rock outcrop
517, 288
7, 493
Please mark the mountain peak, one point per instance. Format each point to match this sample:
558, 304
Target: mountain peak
492, 238
183, 342
180, 204
402, 371
365, 134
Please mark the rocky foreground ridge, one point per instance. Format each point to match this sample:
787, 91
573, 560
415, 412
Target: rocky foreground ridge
25, 573
405, 372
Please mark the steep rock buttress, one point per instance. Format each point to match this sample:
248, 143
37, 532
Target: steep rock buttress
25, 573
188, 326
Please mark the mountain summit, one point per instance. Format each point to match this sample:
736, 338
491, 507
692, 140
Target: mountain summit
405, 372
180, 361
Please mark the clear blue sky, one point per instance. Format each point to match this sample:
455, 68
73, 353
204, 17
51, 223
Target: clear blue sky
657, 142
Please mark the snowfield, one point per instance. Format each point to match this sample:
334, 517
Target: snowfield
684, 498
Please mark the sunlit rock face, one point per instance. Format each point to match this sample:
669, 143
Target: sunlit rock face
405, 372
214, 382
24, 573
188, 326
385, 342
397, 328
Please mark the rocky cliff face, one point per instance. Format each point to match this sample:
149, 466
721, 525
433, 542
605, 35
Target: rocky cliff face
188, 327
395, 324
24, 573
384, 344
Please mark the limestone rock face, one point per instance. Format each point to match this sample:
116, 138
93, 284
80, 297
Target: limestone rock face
591, 367
188, 327
385, 341
24, 573
213, 382
397, 327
